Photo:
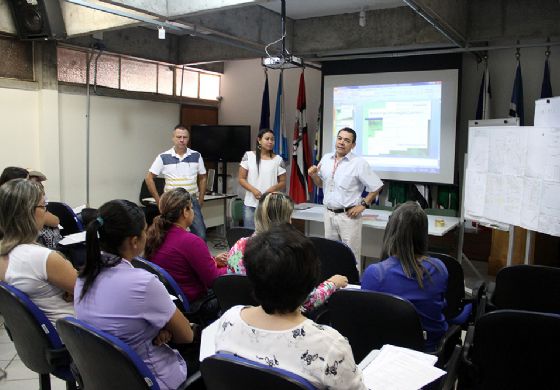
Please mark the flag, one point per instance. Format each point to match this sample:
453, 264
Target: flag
484, 96
318, 192
300, 183
265, 107
516, 105
546, 88
281, 140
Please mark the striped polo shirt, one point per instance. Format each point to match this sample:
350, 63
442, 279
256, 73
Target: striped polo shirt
177, 171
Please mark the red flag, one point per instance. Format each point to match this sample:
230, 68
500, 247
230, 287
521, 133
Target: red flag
299, 181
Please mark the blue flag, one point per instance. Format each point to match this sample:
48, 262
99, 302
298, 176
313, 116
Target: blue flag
546, 88
484, 96
281, 139
265, 107
516, 105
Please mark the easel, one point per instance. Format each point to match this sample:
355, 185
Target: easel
460, 255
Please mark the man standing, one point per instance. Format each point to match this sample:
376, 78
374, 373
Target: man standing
343, 176
181, 167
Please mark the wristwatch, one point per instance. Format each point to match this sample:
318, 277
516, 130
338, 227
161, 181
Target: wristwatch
364, 203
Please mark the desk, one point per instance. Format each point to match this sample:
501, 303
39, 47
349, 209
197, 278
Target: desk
373, 226
214, 212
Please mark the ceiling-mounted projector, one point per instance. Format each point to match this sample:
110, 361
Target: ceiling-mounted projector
282, 62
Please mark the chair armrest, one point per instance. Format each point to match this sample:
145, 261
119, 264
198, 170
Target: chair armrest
467, 345
447, 344
59, 357
452, 369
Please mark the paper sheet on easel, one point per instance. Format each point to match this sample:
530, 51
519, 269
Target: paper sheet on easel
547, 112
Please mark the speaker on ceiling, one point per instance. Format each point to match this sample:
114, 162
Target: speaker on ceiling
38, 19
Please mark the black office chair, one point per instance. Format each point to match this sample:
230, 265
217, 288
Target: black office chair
514, 350
460, 310
68, 219
104, 361
235, 233
336, 258
35, 338
233, 290
370, 320
226, 371
527, 287
145, 193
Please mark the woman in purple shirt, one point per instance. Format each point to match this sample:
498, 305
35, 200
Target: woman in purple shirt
128, 302
409, 273
181, 253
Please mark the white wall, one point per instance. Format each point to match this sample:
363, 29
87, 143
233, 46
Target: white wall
242, 88
19, 128
126, 136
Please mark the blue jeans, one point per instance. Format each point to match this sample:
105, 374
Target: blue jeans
249, 217
198, 227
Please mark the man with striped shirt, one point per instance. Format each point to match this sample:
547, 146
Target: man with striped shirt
182, 167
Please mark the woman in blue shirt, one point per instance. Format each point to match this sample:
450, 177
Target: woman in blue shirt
409, 273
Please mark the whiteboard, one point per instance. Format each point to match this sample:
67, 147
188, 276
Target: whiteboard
513, 176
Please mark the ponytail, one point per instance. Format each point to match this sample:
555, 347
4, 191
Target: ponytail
156, 235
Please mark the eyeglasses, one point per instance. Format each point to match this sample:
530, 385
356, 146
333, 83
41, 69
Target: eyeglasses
43, 206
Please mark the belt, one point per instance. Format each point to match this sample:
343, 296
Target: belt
338, 211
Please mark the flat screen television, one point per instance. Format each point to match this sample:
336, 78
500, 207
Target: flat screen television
221, 142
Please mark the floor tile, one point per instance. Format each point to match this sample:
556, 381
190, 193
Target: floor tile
25, 384
17, 370
7, 351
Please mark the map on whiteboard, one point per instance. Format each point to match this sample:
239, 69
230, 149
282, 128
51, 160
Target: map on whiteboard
513, 177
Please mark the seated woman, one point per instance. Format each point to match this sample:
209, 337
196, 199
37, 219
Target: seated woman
129, 302
276, 333
276, 207
181, 253
409, 273
49, 235
44, 275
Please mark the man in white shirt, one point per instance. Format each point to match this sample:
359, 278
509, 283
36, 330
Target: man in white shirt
182, 167
343, 177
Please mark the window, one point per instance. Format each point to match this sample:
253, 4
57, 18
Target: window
17, 59
131, 74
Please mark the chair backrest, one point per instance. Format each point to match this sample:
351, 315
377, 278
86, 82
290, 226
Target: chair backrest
516, 350
35, 338
103, 360
528, 287
226, 371
68, 219
232, 290
170, 284
370, 320
145, 193
235, 233
455, 284
336, 258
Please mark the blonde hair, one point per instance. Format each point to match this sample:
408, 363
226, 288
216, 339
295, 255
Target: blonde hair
274, 207
18, 201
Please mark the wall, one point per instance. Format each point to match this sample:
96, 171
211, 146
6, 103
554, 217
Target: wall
242, 88
502, 64
19, 132
126, 135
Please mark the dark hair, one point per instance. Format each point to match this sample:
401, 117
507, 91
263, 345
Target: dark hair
116, 221
10, 173
171, 205
406, 237
181, 127
261, 133
348, 130
283, 267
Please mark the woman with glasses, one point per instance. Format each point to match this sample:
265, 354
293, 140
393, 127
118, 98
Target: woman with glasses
409, 272
43, 274
259, 172
130, 303
274, 208
181, 253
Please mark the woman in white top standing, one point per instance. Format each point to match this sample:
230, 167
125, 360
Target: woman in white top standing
260, 171
44, 275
